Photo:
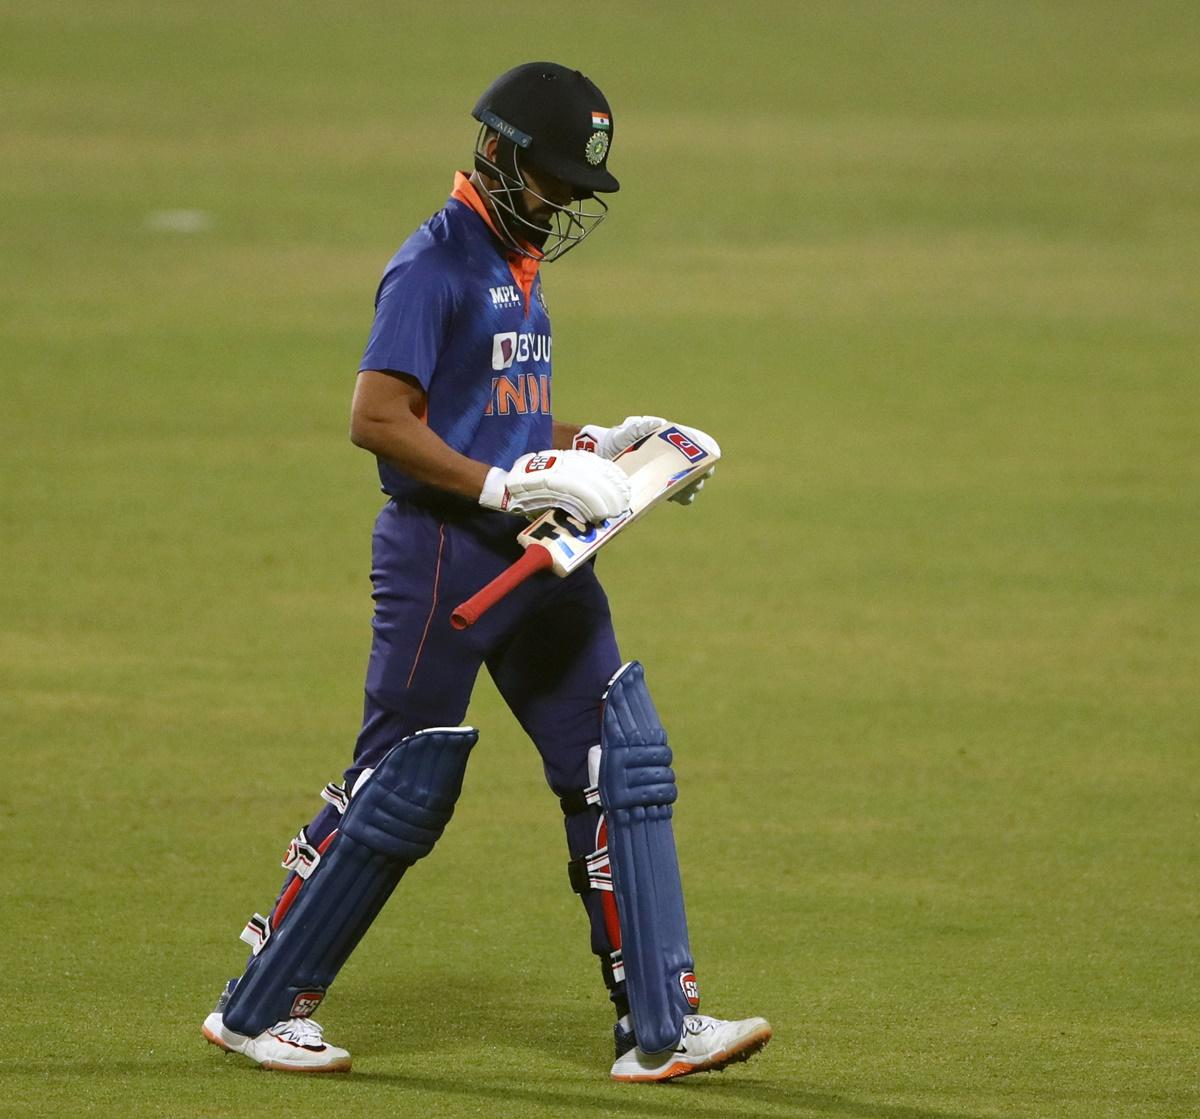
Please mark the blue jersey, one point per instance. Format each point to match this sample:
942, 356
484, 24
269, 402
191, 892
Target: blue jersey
466, 320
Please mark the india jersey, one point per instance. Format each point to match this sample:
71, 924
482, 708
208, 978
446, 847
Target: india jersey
468, 322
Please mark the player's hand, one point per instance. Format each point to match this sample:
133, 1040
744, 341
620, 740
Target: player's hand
608, 442
689, 493
588, 487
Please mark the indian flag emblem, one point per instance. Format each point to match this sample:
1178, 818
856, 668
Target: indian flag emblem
600, 120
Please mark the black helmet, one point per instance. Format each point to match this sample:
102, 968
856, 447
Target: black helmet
558, 118
556, 121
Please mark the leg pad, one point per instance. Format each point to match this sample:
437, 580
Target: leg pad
637, 789
394, 818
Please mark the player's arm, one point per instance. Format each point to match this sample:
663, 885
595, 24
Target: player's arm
564, 436
387, 419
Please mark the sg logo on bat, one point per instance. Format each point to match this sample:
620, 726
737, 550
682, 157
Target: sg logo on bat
690, 450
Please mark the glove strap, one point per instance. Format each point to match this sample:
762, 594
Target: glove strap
494, 494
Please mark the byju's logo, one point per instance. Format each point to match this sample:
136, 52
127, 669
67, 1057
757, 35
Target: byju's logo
504, 349
509, 346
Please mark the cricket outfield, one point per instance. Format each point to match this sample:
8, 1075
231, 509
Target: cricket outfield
927, 647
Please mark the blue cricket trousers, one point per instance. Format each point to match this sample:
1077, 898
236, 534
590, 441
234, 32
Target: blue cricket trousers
549, 646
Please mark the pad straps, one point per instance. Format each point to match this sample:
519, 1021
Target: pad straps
580, 800
590, 877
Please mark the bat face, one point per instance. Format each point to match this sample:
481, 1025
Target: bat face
658, 465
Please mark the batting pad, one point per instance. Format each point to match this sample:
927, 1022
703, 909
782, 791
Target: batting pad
637, 789
393, 819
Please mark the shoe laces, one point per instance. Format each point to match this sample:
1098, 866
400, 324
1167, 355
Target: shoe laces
299, 1031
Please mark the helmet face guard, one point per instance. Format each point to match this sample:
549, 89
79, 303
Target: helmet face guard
545, 239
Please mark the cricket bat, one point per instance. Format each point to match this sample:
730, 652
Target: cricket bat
658, 465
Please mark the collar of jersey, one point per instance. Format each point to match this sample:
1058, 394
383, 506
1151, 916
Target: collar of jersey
523, 268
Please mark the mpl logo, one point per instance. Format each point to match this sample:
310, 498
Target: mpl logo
306, 1003
504, 349
690, 988
691, 450
505, 296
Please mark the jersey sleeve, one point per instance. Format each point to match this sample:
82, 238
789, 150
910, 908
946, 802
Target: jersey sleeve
413, 311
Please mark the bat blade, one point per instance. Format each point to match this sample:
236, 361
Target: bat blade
659, 465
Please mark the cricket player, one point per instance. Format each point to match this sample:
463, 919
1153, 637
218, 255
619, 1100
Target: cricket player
454, 398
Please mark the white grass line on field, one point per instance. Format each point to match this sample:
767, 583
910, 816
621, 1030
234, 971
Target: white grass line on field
178, 221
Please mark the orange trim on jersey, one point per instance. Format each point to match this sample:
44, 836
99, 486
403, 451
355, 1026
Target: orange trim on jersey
464, 190
523, 268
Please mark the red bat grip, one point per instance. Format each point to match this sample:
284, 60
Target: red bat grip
536, 558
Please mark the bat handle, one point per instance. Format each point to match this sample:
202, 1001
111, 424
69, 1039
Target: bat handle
536, 558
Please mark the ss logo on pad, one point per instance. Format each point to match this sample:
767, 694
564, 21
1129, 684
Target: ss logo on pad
306, 1003
690, 988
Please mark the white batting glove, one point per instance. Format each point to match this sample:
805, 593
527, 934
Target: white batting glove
608, 442
690, 492
585, 485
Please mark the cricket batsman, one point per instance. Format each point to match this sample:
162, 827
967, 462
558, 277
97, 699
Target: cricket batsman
454, 399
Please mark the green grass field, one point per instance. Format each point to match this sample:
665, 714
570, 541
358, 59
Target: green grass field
928, 648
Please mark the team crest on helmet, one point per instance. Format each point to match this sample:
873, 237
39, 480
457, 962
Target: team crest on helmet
597, 148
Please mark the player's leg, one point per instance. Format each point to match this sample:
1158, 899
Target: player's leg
605, 754
421, 671
636, 788
416, 679
552, 671
394, 816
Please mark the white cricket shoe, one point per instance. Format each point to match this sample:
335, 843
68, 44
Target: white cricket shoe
706, 1043
295, 1045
